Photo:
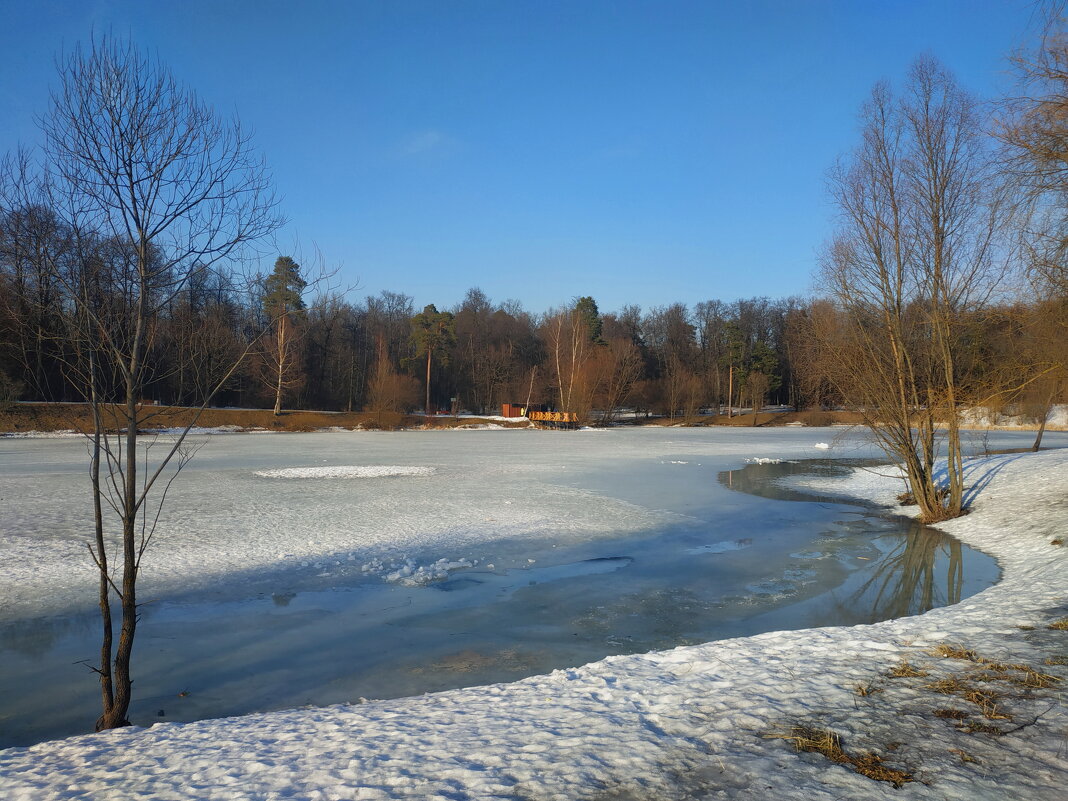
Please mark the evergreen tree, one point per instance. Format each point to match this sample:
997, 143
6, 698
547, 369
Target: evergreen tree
282, 290
433, 333
586, 308
284, 306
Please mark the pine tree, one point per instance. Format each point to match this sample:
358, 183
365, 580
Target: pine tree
284, 307
433, 332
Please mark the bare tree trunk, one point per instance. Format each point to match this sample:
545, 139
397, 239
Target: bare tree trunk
429, 356
730, 393
1042, 423
282, 345
100, 556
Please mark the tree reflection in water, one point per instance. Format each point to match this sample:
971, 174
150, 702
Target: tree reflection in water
920, 569
923, 570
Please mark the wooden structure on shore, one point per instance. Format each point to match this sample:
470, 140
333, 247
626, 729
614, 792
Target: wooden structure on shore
567, 420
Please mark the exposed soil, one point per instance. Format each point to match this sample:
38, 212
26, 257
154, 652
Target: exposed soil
24, 417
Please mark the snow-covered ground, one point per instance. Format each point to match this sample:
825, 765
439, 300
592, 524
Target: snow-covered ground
693, 722
982, 417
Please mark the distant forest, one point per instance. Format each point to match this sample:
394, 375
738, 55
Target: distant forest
372, 354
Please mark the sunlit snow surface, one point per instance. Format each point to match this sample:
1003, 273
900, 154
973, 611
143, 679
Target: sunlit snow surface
347, 471
683, 723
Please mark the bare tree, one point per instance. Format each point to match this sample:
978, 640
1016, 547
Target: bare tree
572, 344
390, 392
914, 252
1033, 129
620, 368
159, 189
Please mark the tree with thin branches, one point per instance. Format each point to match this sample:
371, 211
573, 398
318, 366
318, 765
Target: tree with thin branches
157, 189
915, 252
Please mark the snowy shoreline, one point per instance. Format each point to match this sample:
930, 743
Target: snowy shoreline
690, 722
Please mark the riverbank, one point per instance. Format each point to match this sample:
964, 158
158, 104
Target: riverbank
28, 419
979, 711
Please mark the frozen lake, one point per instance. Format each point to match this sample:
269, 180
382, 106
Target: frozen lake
296, 569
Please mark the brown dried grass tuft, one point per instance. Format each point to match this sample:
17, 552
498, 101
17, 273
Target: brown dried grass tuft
1035, 680
978, 727
987, 703
1060, 625
949, 686
1059, 659
822, 741
952, 714
904, 670
956, 652
964, 755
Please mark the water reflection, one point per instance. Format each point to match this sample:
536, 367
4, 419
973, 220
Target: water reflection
924, 571
919, 569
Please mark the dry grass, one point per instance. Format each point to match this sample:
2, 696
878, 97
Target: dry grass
949, 686
952, 714
987, 703
904, 670
1032, 679
1059, 659
985, 700
956, 652
978, 727
822, 741
1018, 674
864, 690
1060, 625
965, 757
906, 499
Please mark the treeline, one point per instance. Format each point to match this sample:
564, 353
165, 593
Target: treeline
378, 353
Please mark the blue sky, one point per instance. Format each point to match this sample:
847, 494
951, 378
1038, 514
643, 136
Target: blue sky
639, 152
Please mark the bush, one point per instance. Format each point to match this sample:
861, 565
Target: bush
10, 389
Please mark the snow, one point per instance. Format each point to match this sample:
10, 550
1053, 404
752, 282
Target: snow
411, 574
981, 417
347, 471
693, 722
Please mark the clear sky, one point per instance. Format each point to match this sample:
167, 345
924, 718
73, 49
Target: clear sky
639, 152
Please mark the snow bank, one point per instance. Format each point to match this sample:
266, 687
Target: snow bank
693, 722
61, 434
981, 417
